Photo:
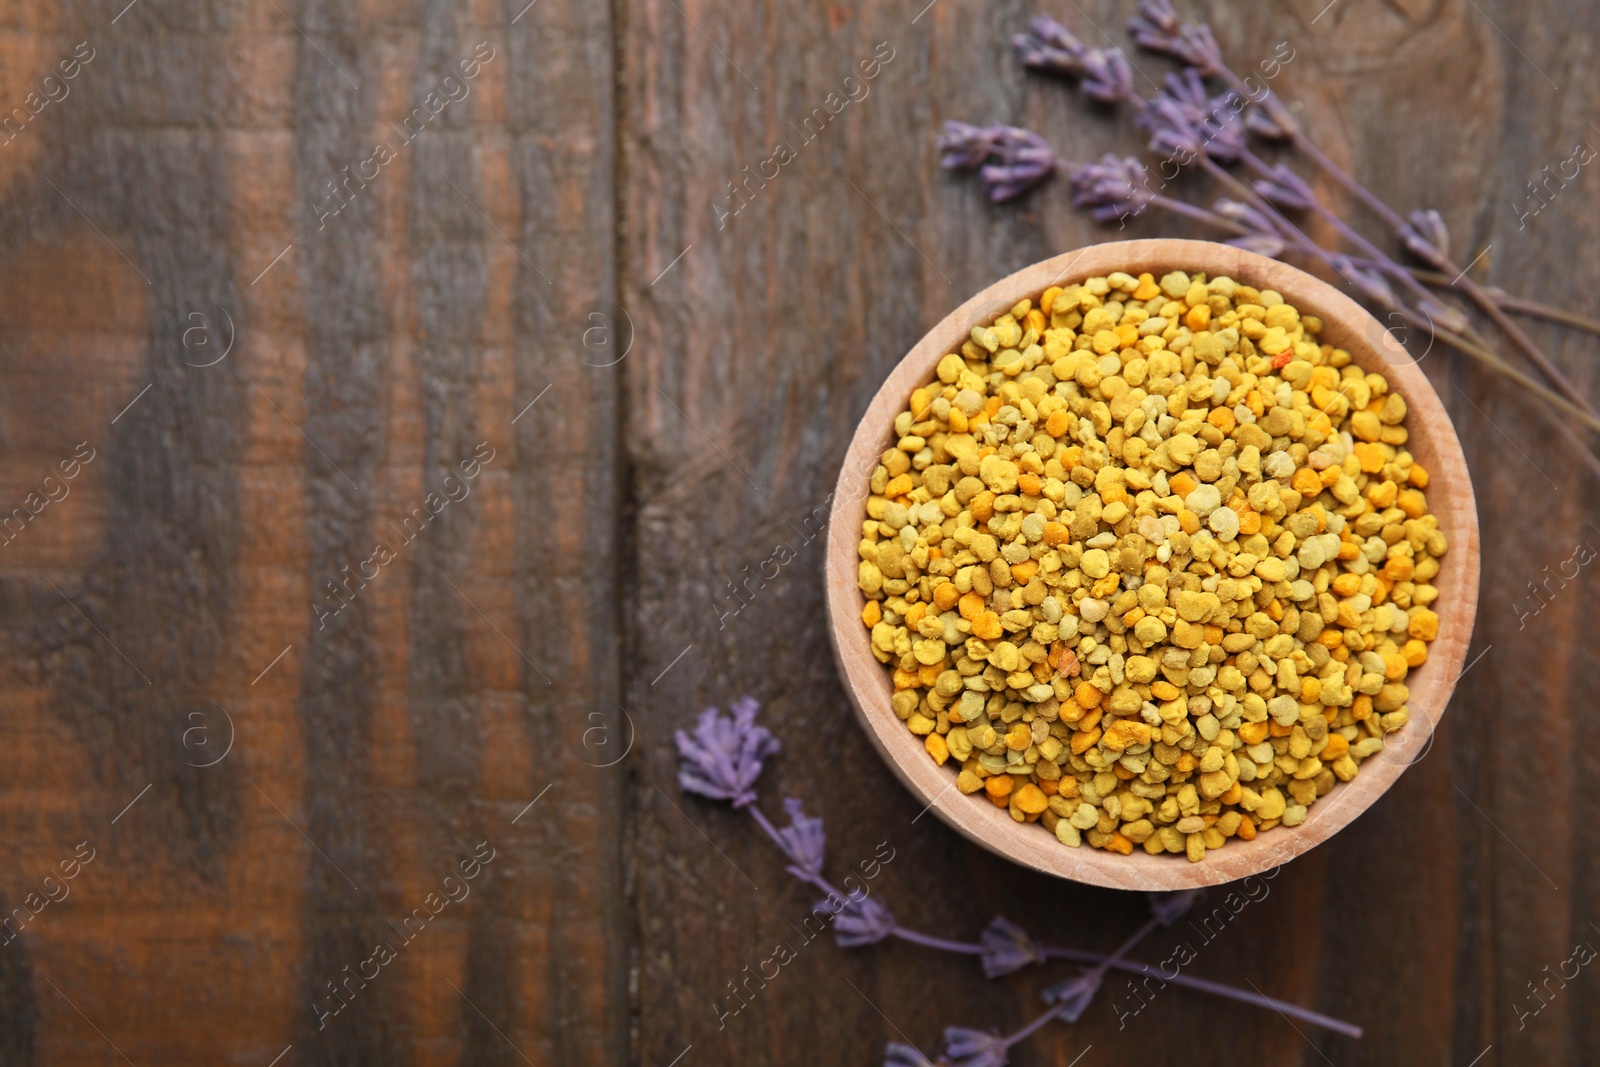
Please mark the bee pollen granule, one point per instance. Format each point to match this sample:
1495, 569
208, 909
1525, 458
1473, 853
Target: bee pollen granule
1150, 563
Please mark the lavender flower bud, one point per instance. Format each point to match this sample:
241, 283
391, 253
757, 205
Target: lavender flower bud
1050, 47
1260, 122
1108, 76
1371, 284
723, 758
974, 1048
1212, 121
1251, 219
1172, 135
803, 842
1170, 907
1156, 28
898, 1055
1007, 948
1072, 997
1112, 189
1021, 160
1224, 129
860, 922
1153, 24
962, 147
1446, 317
1197, 46
1260, 244
1427, 238
1286, 189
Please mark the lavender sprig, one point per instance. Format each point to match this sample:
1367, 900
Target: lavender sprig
1007, 948
1114, 189
1019, 160
1108, 76
1211, 121
963, 146
1050, 47
803, 842
1156, 28
723, 758
1012, 160
1068, 999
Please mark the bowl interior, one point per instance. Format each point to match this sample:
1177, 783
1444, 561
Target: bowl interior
1432, 441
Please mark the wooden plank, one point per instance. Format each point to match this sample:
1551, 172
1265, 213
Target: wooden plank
764, 342
383, 725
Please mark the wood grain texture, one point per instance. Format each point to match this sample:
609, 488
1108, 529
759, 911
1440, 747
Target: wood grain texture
611, 571
214, 562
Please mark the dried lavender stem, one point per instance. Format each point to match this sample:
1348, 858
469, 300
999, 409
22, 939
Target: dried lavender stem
1345, 230
969, 948
1286, 121
1384, 263
1519, 305
1096, 971
1127, 946
1028, 1030
1494, 363
1179, 207
1518, 338
1285, 228
1242, 995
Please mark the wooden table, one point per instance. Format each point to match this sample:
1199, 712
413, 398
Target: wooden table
261, 344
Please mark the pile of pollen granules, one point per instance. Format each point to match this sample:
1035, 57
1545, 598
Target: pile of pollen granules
1150, 563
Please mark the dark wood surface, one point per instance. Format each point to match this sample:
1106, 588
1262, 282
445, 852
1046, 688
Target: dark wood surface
575, 605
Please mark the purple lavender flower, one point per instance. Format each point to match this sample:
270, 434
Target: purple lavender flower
722, 760
962, 147
1050, 47
1022, 159
1286, 189
1259, 121
1170, 907
1443, 316
1426, 237
1156, 28
1172, 135
860, 922
1247, 216
1115, 188
1073, 997
1209, 124
1107, 75
1369, 283
898, 1055
974, 1048
1153, 25
1007, 948
803, 842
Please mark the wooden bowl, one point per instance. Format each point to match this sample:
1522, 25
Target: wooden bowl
1432, 441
